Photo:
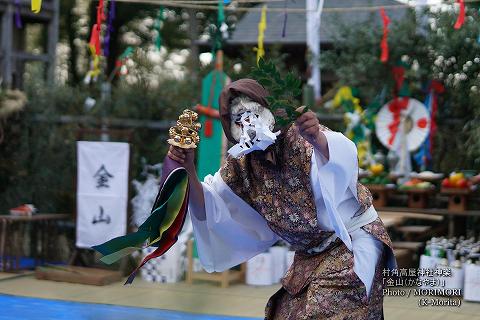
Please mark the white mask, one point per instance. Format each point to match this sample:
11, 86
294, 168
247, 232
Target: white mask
251, 127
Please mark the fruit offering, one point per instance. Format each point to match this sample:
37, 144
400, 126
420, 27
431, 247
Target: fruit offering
416, 184
377, 176
456, 180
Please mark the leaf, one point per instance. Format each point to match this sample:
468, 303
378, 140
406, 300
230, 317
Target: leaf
265, 82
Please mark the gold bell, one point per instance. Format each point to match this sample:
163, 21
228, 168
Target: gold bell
185, 133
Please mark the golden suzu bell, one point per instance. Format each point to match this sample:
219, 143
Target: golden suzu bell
185, 133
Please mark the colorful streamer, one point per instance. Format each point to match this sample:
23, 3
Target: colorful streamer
94, 71
158, 28
216, 30
384, 43
18, 18
120, 63
461, 15
162, 227
36, 6
262, 26
109, 30
285, 17
95, 39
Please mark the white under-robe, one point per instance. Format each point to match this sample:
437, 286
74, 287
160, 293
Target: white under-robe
234, 232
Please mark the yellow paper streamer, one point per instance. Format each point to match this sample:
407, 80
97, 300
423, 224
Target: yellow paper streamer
36, 6
94, 71
262, 25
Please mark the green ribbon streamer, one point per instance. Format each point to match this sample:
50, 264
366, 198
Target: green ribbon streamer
157, 27
168, 206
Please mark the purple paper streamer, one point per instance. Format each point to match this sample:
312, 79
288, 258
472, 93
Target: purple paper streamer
285, 17
106, 39
284, 30
18, 18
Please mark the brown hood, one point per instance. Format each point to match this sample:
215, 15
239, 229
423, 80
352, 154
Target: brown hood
248, 87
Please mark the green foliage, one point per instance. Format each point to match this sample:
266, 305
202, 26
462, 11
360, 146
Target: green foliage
283, 91
37, 157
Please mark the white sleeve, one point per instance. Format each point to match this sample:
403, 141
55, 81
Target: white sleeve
233, 232
334, 176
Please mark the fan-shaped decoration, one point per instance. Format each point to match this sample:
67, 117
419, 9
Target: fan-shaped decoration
403, 113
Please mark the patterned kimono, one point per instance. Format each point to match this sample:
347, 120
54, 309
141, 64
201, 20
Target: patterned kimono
322, 283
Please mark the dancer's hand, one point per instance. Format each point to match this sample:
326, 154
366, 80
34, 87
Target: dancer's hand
309, 128
185, 157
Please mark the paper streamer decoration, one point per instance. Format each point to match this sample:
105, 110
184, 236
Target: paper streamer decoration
384, 42
219, 30
461, 15
94, 71
109, 30
18, 18
158, 28
36, 6
285, 17
262, 26
313, 20
162, 227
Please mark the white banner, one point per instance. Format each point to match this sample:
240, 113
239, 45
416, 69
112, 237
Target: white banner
102, 191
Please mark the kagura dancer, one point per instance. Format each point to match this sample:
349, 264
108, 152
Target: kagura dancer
299, 185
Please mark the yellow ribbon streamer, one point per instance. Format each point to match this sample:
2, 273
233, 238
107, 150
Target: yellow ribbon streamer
262, 25
94, 71
36, 6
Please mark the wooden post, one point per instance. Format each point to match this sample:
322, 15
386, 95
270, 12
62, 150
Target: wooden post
6, 44
52, 42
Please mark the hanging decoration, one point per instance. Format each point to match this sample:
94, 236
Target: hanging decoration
313, 22
357, 121
158, 28
384, 42
18, 18
120, 64
36, 6
109, 30
262, 26
219, 30
461, 15
285, 17
94, 71
424, 155
95, 46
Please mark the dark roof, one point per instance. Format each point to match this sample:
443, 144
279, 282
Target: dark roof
246, 31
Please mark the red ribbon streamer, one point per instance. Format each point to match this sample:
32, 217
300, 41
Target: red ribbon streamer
461, 15
384, 43
95, 39
95, 35
399, 77
396, 107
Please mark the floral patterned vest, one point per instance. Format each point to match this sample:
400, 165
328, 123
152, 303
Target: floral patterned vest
282, 193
